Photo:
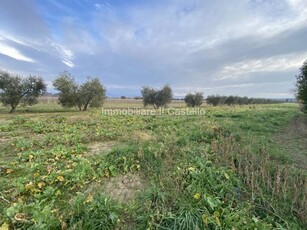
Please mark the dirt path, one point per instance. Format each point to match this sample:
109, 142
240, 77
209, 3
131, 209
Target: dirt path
293, 140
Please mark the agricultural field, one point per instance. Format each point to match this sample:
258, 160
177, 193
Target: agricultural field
236, 167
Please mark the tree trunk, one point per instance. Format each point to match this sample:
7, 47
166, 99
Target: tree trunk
85, 106
12, 109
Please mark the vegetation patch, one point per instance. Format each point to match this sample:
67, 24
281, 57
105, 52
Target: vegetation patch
224, 170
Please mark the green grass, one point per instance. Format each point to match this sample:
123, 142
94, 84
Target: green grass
222, 170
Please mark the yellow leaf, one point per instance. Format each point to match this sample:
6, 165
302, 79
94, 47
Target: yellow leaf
217, 221
40, 184
54, 211
4, 226
20, 217
20, 200
197, 196
89, 199
205, 219
60, 178
191, 169
36, 174
8, 171
29, 186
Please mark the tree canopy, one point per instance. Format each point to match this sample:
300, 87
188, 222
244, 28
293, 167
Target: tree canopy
91, 93
157, 98
15, 89
301, 86
193, 100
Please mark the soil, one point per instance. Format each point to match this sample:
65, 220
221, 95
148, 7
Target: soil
124, 188
101, 147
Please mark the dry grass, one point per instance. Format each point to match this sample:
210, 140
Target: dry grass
293, 140
263, 176
142, 136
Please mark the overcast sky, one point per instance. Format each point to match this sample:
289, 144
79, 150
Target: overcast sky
240, 47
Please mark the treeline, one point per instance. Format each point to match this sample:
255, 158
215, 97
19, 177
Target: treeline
236, 100
15, 90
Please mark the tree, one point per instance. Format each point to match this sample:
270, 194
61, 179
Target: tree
16, 89
157, 98
301, 87
91, 93
215, 100
230, 100
68, 96
193, 100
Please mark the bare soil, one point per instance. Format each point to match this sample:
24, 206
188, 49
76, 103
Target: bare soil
124, 188
101, 147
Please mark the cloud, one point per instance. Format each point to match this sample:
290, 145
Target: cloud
14, 53
229, 47
272, 64
66, 54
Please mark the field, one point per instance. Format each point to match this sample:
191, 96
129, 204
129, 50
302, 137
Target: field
236, 167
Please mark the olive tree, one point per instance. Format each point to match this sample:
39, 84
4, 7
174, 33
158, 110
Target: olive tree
91, 93
15, 89
157, 98
301, 87
193, 100
215, 100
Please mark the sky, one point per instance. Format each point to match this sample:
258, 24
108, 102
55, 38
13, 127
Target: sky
240, 47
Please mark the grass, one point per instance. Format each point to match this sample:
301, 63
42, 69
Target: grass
84, 170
